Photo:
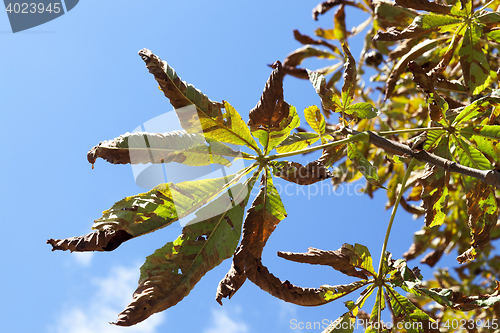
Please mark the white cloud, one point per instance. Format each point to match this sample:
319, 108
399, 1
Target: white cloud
221, 322
287, 311
83, 258
112, 294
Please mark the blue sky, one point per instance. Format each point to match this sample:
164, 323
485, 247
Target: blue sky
75, 81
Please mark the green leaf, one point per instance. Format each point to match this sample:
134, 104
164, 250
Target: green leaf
470, 156
494, 35
297, 141
477, 107
163, 205
362, 110
433, 139
475, 68
270, 138
488, 17
363, 165
379, 303
404, 308
343, 324
171, 272
442, 22
177, 146
334, 292
228, 127
362, 258
315, 119
486, 138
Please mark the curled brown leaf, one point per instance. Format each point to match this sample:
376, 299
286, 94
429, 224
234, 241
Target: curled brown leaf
260, 275
259, 224
312, 173
234, 278
271, 108
424, 5
304, 39
341, 259
175, 89
393, 34
325, 6
105, 240
350, 72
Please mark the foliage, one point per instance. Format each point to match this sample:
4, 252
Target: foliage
433, 134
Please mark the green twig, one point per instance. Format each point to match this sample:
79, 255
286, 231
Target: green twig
357, 137
380, 276
411, 130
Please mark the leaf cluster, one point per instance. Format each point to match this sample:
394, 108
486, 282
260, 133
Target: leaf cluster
430, 136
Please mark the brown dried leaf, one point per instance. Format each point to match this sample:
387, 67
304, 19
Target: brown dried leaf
327, 5
401, 66
350, 78
234, 278
433, 257
434, 195
445, 61
402, 48
424, 5
483, 214
179, 93
339, 29
331, 155
260, 275
421, 78
300, 73
411, 208
105, 240
341, 260
393, 34
271, 109
304, 39
295, 172
262, 218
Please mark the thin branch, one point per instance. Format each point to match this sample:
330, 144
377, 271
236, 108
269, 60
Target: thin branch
490, 177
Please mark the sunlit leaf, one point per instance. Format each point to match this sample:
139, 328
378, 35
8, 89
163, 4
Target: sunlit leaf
297, 141
271, 137
434, 195
363, 165
350, 77
477, 108
329, 100
169, 274
474, 63
362, 110
177, 146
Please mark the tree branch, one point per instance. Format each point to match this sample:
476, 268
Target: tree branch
490, 177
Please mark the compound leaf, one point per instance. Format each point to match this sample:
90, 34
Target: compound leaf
169, 274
